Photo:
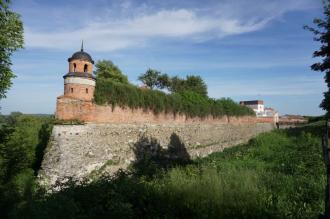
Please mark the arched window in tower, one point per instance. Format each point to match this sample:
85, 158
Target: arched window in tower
86, 90
74, 67
85, 68
71, 90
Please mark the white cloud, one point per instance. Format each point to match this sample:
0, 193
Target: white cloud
103, 32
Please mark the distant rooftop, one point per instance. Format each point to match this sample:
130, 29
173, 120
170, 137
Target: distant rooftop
251, 102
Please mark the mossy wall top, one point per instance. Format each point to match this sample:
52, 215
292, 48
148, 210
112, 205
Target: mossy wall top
188, 103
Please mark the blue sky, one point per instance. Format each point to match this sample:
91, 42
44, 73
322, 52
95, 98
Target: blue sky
244, 50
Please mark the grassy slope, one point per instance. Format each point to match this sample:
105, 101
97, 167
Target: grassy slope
276, 175
283, 169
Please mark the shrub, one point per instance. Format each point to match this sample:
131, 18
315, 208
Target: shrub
23, 139
189, 103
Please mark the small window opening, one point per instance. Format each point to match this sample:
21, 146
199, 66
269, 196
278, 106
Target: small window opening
71, 90
85, 68
86, 90
74, 67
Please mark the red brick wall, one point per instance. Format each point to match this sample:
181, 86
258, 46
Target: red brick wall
266, 119
80, 66
69, 109
80, 91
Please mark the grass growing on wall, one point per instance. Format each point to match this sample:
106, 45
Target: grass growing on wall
188, 103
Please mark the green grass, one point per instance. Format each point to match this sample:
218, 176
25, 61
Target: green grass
289, 169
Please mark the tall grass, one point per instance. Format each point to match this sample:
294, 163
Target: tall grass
208, 193
290, 169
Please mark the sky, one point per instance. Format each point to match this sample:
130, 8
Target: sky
244, 50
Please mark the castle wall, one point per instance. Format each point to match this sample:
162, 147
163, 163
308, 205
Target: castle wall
71, 109
117, 137
83, 150
269, 119
111, 138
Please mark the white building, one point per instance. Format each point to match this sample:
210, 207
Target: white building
270, 112
257, 105
260, 109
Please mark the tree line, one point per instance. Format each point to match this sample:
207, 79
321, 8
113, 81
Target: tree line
152, 78
184, 96
155, 79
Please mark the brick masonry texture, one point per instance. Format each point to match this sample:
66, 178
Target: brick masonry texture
80, 66
68, 108
81, 91
79, 150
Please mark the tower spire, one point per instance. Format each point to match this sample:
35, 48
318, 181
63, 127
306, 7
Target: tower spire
82, 46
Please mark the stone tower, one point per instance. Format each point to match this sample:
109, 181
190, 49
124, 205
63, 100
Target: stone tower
79, 82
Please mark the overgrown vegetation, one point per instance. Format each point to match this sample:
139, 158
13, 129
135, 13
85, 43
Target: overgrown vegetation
312, 119
322, 35
276, 175
188, 96
105, 69
23, 139
11, 39
194, 83
189, 103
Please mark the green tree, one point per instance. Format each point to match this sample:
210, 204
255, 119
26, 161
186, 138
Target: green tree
163, 81
196, 84
322, 35
153, 78
191, 83
23, 139
176, 84
11, 39
150, 78
105, 69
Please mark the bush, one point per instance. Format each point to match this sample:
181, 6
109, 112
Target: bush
189, 103
22, 143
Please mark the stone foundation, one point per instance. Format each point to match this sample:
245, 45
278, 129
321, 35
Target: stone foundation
80, 150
